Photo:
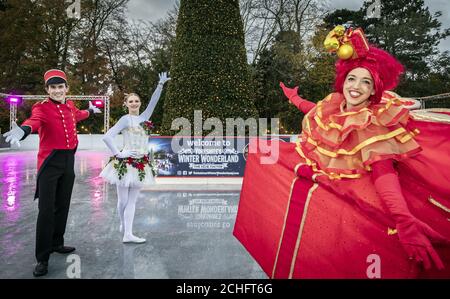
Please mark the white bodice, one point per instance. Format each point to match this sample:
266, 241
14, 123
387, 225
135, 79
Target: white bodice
134, 136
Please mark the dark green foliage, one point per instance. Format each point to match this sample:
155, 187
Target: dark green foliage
409, 31
209, 67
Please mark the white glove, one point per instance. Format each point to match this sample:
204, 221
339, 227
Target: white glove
163, 78
411, 104
15, 135
127, 154
94, 109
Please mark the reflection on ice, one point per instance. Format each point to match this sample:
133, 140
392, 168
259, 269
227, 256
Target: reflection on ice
11, 167
189, 234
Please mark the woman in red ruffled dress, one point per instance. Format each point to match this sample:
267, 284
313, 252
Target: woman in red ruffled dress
365, 191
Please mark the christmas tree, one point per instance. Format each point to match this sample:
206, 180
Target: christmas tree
209, 66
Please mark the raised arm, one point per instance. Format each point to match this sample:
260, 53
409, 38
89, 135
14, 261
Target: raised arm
292, 94
155, 97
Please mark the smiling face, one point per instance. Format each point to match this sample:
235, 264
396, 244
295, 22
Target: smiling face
358, 87
133, 103
57, 92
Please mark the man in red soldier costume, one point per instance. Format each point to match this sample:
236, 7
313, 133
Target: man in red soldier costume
55, 121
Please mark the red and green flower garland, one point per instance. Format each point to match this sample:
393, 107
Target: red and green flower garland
120, 164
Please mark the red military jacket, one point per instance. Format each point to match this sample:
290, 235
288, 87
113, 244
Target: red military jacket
56, 125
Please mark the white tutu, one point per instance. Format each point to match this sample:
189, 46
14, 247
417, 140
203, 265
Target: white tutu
130, 178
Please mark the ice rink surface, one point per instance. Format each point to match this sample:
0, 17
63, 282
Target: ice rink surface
188, 230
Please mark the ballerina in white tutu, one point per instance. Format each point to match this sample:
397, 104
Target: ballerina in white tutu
130, 169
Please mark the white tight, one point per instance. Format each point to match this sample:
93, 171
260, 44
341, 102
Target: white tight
126, 206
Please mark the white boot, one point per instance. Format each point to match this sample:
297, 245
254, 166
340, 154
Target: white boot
133, 239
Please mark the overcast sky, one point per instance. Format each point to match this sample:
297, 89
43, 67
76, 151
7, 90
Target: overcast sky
152, 10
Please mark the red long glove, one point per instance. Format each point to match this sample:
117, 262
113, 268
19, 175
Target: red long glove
415, 236
305, 171
292, 94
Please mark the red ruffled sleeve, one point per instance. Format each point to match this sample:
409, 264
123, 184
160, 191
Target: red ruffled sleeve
345, 143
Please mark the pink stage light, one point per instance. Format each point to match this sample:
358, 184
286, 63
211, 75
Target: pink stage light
98, 103
14, 100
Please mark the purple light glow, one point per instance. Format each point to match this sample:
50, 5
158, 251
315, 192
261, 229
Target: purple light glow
98, 103
13, 100
11, 166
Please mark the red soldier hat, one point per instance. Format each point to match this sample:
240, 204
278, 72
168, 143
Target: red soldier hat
54, 77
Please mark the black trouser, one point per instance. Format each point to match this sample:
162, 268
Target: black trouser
55, 183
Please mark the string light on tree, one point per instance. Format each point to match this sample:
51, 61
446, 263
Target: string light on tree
209, 64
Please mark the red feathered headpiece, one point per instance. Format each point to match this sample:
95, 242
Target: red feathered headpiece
354, 51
